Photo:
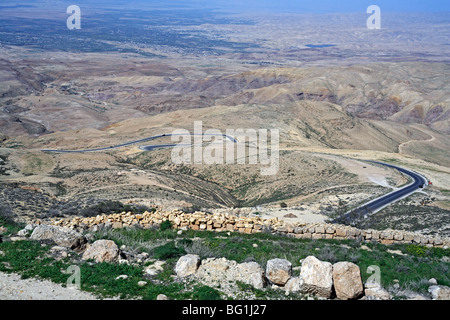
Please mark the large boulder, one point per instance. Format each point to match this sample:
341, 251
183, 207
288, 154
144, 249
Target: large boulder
439, 292
316, 277
223, 272
62, 236
251, 273
293, 285
278, 271
102, 251
187, 265
347, 281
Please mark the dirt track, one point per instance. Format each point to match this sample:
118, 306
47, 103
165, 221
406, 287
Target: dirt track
12, 287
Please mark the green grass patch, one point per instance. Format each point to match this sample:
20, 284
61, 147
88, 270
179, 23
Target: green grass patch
411, 269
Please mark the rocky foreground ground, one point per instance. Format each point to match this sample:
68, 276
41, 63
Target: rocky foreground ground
317, 279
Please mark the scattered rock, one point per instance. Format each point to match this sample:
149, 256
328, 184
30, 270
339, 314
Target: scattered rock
398, 252
155, 268
59, 252
162, 297
316, 277
347, 280
278, 271
439, 292
62, 236
374, 291
409, 295
23, 233
142, 283
122, 277
13, 239
102, 251
432, 281
251, 273
187, 265
26, 231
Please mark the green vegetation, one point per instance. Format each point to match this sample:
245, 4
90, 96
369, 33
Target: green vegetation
411, 269
167, 224
167, 251
206, 293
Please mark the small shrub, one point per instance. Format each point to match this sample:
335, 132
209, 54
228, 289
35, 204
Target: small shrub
166, 225
201, 249
416, 250
167, 251
327, 254
283, 205
185, 242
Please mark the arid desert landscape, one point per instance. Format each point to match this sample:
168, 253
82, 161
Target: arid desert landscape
340, 95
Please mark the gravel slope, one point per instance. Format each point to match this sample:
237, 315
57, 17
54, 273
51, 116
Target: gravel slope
12, 287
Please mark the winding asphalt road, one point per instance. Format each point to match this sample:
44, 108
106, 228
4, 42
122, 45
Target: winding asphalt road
376, 205
368, 208
146, 148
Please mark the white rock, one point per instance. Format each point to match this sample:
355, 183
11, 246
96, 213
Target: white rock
102, 251
439, 292
316, 277
64, 237
251, 273
155, 268
23, 233
187, 265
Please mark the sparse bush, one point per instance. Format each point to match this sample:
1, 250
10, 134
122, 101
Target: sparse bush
283, 205
169, 250
166, 225
201, 249
415, 250
327, 254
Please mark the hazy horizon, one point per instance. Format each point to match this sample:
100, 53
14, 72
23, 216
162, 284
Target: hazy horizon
281, 6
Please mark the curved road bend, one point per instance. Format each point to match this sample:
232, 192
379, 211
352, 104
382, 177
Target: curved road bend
146, 148
383, 201
360, 212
